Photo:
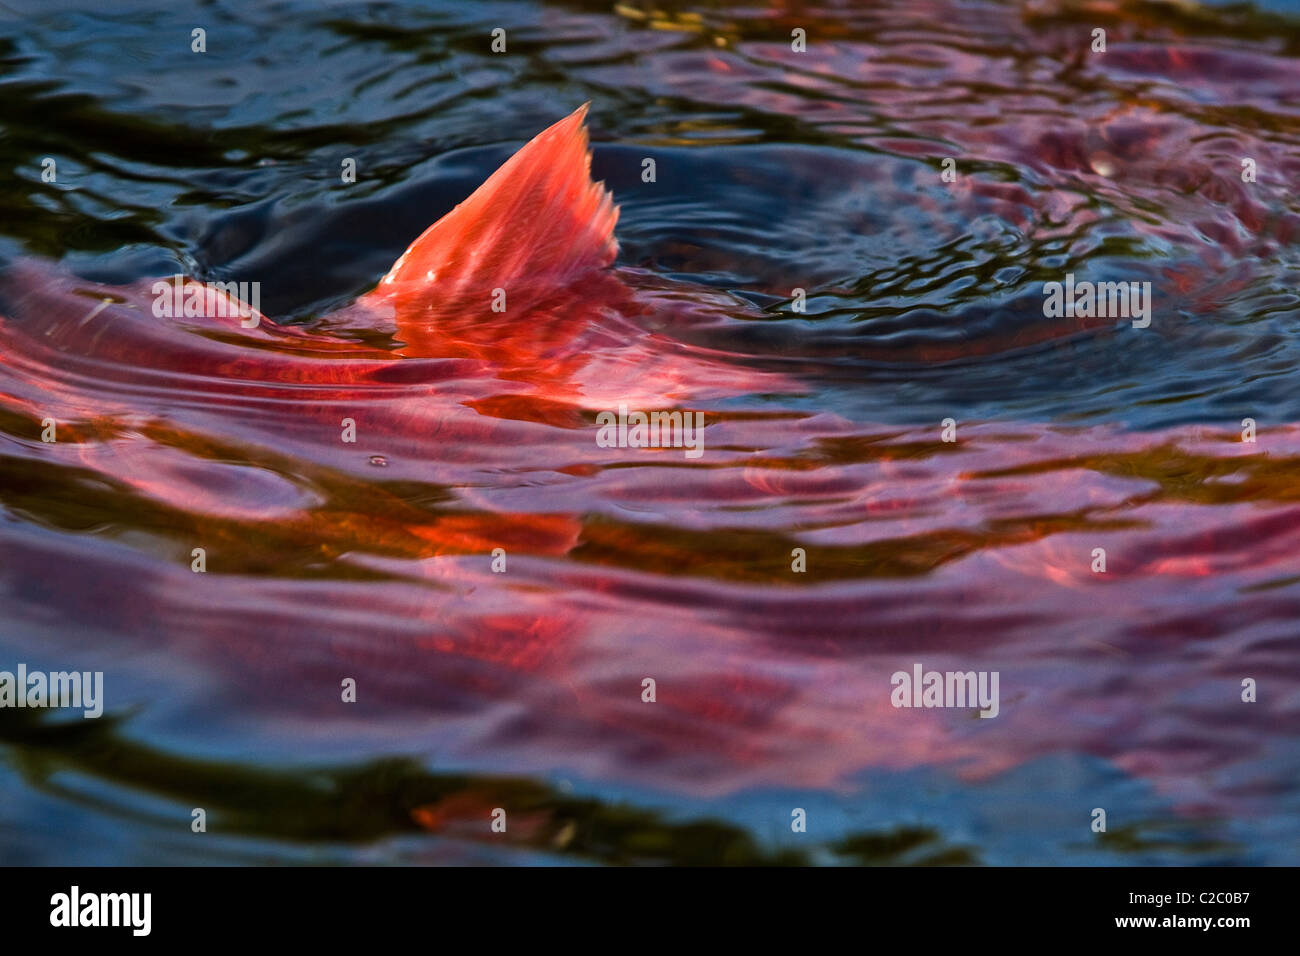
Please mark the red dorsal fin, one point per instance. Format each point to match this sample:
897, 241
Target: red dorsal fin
537, 219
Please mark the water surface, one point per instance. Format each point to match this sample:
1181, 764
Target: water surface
776, 170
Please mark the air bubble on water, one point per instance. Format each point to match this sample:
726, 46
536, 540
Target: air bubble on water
1102, 165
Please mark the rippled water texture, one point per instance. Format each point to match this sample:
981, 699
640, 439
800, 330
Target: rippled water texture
775, 171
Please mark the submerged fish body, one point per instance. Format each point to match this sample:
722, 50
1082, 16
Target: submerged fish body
499, 582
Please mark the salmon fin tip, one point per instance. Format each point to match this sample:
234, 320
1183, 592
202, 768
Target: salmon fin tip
538, 219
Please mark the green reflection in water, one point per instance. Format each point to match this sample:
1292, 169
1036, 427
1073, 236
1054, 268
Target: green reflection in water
394, 796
